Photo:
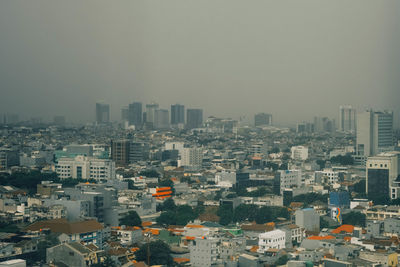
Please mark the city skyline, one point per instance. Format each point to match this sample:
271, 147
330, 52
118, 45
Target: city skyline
230, 67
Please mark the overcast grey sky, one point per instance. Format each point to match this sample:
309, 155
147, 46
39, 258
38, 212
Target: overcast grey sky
292, 58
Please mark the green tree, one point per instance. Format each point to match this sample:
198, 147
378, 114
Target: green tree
150, 173
168, 204
343, 160
160, 253
245, 212
131, 219
309, 198
166, 218
283, 166
282, 260
354, 218
7, 227
263, 215
225, 214
184, 214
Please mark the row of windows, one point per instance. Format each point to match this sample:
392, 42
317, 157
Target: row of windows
381, 165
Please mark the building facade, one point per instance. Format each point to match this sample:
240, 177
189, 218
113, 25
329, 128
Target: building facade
82, 167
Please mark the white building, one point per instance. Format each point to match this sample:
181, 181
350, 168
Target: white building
129, 235
287, 179
299, 152
204, 252
382, 172
192, 158
347, 119
272, 239
85, 168
374, 133
331, 175
225, 178
176, 145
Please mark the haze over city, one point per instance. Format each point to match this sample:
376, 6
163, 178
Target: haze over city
294, 59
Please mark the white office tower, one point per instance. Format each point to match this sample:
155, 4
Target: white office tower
285, 179
299, 152
175, 145
161, 119
383, 175
150, 112
374, 133
82, 167
192, 158
347, 119
273, 239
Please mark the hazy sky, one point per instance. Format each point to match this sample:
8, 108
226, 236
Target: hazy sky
294, 59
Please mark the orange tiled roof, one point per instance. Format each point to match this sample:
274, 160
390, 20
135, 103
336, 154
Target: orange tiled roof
152, 231
344, 228
194, 226
181, 260
316, 237
145, 224
254, 248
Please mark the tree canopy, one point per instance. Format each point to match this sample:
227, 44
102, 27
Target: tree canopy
354, 218
131, 219
178, 215
160, 253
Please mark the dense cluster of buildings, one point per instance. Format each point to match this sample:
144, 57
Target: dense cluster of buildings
333, 190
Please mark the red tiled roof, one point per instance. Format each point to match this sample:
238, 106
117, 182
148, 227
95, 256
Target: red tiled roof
63, 226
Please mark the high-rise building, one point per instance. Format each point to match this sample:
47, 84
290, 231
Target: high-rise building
374, 133
135, 114
124, 152
161, 119
120, 151
125, 114
262, 119
383, 175
150, 112
285, 179
177, 114
347, 119
323, 124
102, 113
194, 118
192, 158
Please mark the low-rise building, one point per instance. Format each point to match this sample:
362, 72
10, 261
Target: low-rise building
272, 239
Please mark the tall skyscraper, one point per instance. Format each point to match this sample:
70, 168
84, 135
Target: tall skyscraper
347, 119
177, 114
374, 133
382, 175
125, 114
150, 114
120, 150
135, 114
323, 124
194, 118
161, 119
102, 113
262, 119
